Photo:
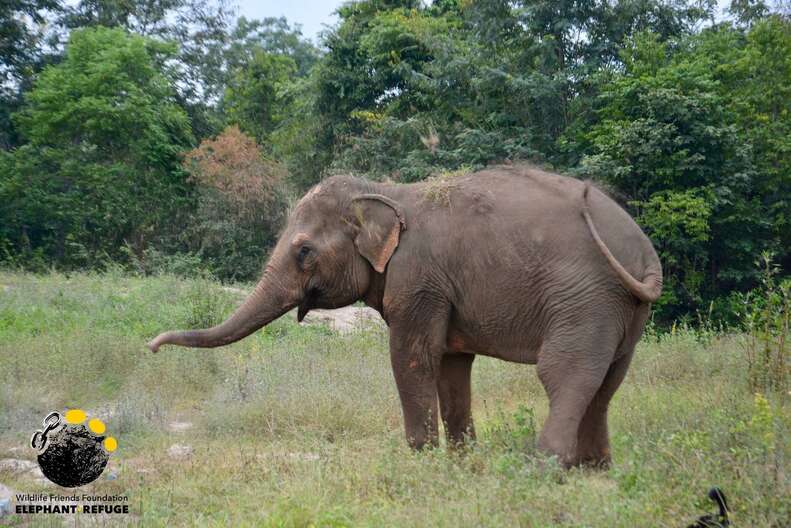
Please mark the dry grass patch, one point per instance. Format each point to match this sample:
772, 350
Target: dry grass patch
439, 187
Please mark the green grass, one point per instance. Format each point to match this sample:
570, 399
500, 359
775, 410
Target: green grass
296, 426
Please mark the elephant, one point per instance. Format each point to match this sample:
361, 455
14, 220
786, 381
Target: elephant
512, 262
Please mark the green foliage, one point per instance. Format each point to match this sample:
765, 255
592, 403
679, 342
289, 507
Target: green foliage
767, 315
102, 166
20, 22
198, 28
517, 433
679, 222
257, 98
685, 119
674, 126
24, 38
494, 80
206, 305
270, 35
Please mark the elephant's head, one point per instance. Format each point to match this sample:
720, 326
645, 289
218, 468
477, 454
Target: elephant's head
338, 236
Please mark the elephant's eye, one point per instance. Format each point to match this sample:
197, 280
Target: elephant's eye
303, 253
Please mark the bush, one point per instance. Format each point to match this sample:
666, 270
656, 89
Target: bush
766, 318
101, 169
241, 204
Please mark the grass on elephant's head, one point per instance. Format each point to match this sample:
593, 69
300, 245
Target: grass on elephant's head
298, 426
439, 186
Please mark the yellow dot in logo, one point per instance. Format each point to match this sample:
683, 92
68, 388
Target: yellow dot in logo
110, 444
75, 416
96, 425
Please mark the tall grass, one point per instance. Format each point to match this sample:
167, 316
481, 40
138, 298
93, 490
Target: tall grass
767, 316
298, 426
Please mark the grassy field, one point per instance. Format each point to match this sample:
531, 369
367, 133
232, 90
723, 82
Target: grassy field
297, 426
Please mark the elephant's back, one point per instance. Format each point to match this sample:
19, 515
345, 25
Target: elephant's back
515, 237
542, 212
521, 217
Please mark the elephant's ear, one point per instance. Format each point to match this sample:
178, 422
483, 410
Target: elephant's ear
380, 222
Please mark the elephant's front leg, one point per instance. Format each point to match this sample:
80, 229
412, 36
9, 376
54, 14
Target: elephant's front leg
418, 392
416, 349
455, 397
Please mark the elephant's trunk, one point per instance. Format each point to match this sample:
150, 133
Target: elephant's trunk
268, 301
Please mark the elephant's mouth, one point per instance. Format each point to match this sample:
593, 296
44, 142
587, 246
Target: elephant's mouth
307, 303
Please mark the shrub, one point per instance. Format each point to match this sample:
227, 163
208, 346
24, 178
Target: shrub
242, 201
766, 318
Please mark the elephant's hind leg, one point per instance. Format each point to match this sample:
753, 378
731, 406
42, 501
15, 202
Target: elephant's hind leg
571, 369
593, 442
454, 391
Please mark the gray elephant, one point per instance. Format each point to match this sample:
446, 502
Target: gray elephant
511, 262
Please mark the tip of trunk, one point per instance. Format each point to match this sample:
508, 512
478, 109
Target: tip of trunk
155, 343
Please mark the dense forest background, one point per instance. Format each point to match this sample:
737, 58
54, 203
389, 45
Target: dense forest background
170, 135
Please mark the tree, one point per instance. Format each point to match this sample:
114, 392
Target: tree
272, 35
102, 167
257, 98
23, 43
20, 21
240, 206
199, 28
696, 138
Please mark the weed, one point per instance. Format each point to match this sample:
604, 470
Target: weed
766, 318
439, 187
516, 432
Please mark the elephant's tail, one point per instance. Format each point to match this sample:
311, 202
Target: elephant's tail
651, 286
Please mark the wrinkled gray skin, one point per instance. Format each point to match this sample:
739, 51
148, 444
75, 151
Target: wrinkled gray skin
516, 263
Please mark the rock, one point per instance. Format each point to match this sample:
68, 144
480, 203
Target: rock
346, 320
305, 457
111, 475
295, 456
6, 492
17, 465
179, 427
6, 496
180, 451
236, 291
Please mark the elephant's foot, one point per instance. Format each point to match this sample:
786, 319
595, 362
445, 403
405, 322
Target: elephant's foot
598, 459
423, 441
568, 460
593, 444
459, 439
559, 447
